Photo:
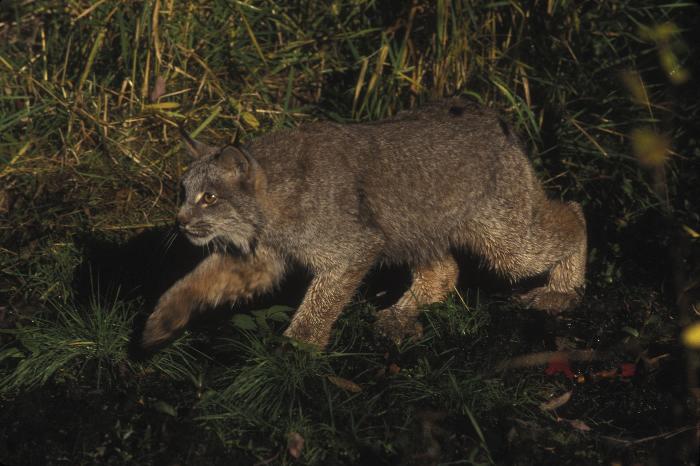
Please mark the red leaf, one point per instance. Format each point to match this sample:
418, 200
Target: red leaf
628, 369
559, 364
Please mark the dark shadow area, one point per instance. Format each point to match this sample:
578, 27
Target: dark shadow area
141, 268
55, 424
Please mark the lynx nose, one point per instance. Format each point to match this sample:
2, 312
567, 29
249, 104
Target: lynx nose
182, 220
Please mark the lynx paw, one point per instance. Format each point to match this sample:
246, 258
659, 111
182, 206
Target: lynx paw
308, 335
163, 324
396, 325
159, 329
552, 302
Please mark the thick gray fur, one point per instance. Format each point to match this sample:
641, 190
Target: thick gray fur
340, 198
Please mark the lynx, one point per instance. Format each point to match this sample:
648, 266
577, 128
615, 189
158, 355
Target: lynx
340, 198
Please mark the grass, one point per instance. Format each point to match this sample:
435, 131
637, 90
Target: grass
342, 402
604, 96
97, 336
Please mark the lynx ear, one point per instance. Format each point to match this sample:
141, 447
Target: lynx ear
195, 149
238, 160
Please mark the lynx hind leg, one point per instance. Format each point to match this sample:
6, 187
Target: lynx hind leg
431, 283
564, 227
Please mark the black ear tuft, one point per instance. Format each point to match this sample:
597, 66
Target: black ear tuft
195, 149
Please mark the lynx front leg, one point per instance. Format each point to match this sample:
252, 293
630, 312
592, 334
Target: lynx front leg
218, 279
431, 284
330, 291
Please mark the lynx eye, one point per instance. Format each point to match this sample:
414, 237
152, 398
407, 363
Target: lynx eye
209, 198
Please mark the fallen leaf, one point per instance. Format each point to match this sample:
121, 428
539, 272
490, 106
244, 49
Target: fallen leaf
295, 443
158, 89
691, 232
653, 363
578, 425
345, 384
555, 403
628, 369
559, 364
606, 374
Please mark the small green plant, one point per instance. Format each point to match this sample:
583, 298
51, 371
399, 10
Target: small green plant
64, 340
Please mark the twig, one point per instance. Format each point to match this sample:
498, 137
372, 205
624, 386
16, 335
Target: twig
664, 436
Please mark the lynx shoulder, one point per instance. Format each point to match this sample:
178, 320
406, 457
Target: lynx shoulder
341, 198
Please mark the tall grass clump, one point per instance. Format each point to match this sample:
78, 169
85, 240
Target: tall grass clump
89, 346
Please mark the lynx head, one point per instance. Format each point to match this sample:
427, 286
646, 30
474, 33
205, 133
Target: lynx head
221, 203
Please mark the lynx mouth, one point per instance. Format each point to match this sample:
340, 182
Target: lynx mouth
196, 234
217, 243
198, 237
202, 240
